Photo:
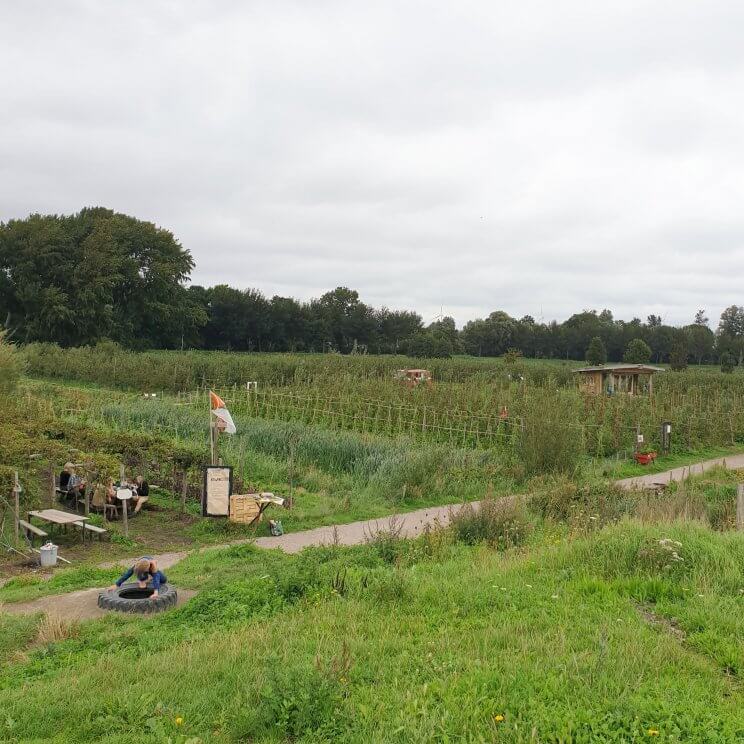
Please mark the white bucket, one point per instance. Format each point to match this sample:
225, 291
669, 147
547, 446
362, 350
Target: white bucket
48, 555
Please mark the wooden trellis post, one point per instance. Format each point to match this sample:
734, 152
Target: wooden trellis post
16, 505
740, 507
184, 489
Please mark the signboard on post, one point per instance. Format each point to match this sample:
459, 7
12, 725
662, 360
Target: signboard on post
217, 491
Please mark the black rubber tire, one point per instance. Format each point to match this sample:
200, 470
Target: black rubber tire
113, 600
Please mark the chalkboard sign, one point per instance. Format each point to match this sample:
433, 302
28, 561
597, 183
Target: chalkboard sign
217, 491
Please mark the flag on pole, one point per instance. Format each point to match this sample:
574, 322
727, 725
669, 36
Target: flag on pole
219, 410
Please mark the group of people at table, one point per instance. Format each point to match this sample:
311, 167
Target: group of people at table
72, 487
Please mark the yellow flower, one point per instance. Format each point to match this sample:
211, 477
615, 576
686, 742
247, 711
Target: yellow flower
179, 721
653, 732
499, 718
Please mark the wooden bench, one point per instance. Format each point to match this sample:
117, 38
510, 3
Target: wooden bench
87, 527
32, 530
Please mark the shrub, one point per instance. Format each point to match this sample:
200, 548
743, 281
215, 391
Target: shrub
501, 523
596, 352
297, 700
662, 555
637, 352
11, 365
728, 362
678, 356
590, 505
551, 439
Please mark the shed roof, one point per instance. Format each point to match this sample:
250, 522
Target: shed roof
623, 367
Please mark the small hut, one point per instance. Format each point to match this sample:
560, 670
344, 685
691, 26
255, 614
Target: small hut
631, 379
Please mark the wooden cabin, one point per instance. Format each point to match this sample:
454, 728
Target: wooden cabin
631, 379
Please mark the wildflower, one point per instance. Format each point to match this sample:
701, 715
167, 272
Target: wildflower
498, 718
179, 720
653, 732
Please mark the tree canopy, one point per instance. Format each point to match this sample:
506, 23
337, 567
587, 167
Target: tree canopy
98, 274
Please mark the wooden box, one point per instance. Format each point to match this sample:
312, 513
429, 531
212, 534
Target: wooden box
244, 508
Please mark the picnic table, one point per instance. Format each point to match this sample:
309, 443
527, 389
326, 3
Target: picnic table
57, 516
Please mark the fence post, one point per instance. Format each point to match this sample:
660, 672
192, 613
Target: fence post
16, 505
740, 507
184, 487
52, 485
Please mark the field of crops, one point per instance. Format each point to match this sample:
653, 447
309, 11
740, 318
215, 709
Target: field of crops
529, 409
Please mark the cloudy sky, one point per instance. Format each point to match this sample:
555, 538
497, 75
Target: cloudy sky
539, 157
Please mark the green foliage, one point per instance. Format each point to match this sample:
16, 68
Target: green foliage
596, 352
429, 345
12, 366
362, 666
95, 274
500, 523
297, 700
678, 356
728, 362
637, 352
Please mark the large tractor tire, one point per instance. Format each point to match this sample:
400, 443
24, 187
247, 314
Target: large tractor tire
131, 598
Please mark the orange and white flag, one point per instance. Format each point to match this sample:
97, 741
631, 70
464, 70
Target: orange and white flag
219, 410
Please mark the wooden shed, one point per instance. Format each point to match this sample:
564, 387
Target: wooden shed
631, 379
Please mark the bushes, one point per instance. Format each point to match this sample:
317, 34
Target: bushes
583, 505
12, 366
551, 439
501, 523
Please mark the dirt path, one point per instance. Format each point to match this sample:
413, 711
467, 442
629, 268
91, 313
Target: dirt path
80, 605
732, 462
83, 604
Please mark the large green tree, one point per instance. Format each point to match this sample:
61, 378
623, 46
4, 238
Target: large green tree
96, 274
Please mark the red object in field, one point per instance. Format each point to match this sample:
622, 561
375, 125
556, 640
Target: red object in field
644, 458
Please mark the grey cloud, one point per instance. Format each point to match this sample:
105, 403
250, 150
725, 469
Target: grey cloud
537, 157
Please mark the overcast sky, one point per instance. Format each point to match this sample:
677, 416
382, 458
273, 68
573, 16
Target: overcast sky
536, 157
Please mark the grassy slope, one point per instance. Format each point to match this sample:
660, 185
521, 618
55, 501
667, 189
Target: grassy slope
423, 642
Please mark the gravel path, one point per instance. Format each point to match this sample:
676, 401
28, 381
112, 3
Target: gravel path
82, 604
732, 462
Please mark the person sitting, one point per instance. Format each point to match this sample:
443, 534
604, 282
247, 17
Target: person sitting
142, 491
71, 485
103, 494
64, 476
145, 569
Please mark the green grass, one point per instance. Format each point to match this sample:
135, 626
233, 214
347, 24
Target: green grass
572, 641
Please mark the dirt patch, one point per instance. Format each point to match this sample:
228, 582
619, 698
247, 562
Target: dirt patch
80, 605
668, 625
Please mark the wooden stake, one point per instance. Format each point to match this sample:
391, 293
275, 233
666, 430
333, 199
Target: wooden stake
125, 516
184, 489
16, 505
52, 485
740, 507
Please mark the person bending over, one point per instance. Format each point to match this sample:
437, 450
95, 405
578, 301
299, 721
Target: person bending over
146, 569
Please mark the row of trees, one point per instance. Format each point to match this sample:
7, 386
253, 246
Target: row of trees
97, 274
696, 342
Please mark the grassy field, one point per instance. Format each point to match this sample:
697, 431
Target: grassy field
577, 613
598, 637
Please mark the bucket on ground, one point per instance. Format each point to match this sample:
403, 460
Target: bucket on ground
48, 555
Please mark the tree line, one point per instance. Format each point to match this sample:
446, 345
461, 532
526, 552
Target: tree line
78, 279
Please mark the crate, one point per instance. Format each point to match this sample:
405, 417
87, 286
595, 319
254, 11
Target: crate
244, 508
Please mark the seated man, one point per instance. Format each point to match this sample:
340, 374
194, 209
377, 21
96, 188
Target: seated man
142, 492
145, 569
